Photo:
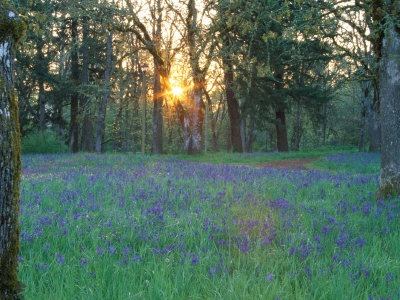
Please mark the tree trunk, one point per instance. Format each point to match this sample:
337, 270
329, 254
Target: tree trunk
233, 107
250, 135
100, 126
157, 112
59, 120
87, 127
42, 121
281, 131
213, 121
365, 102
243, 133
158, 92
205, 127
324, 123
144, 112
297, 128
192, 122
42, 71
184, 120
10, 158
374, 122
118, 128
74, 126
198, 118
271, 141
389, 87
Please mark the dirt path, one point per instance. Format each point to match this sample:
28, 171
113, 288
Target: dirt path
297, 163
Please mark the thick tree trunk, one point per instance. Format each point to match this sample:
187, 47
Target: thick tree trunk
233, 107
374, 122
74, 126
281, 131
87, 127
100, 126
10, 159
157, 112
365, 102
389, 86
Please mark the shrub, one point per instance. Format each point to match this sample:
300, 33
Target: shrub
43, 142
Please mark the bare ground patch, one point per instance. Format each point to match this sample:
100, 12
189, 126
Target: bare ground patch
297, 163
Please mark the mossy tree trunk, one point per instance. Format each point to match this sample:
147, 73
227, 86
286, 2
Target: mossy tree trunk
389, 87
12, 28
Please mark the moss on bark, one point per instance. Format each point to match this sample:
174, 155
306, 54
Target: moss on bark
11, 31
10, 286
14, 27
391, 189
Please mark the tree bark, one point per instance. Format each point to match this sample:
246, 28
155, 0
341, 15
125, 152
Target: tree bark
389, 87
243, 133
157, 112
250, 135
144, 112
74, 126
365, 102
296, 137
41, 71
324, 124
281, 130
87, 127
374, 122
59, 120
233, 107
42, 121
198, 118
10, 157
100, 126
158, 93
213, 120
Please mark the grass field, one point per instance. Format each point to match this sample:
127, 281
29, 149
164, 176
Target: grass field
133, 227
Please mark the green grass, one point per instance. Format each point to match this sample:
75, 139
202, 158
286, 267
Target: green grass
238, 158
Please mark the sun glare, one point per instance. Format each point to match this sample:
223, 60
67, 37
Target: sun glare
177, 91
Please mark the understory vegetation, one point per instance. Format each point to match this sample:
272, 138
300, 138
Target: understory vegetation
137, 227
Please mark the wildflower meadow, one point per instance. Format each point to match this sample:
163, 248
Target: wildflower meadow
138, 227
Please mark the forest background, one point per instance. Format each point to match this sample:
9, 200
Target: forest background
184, 76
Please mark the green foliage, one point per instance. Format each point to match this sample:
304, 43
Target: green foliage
11, 27
43, 142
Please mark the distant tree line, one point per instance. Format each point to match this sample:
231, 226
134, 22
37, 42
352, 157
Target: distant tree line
257, 75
